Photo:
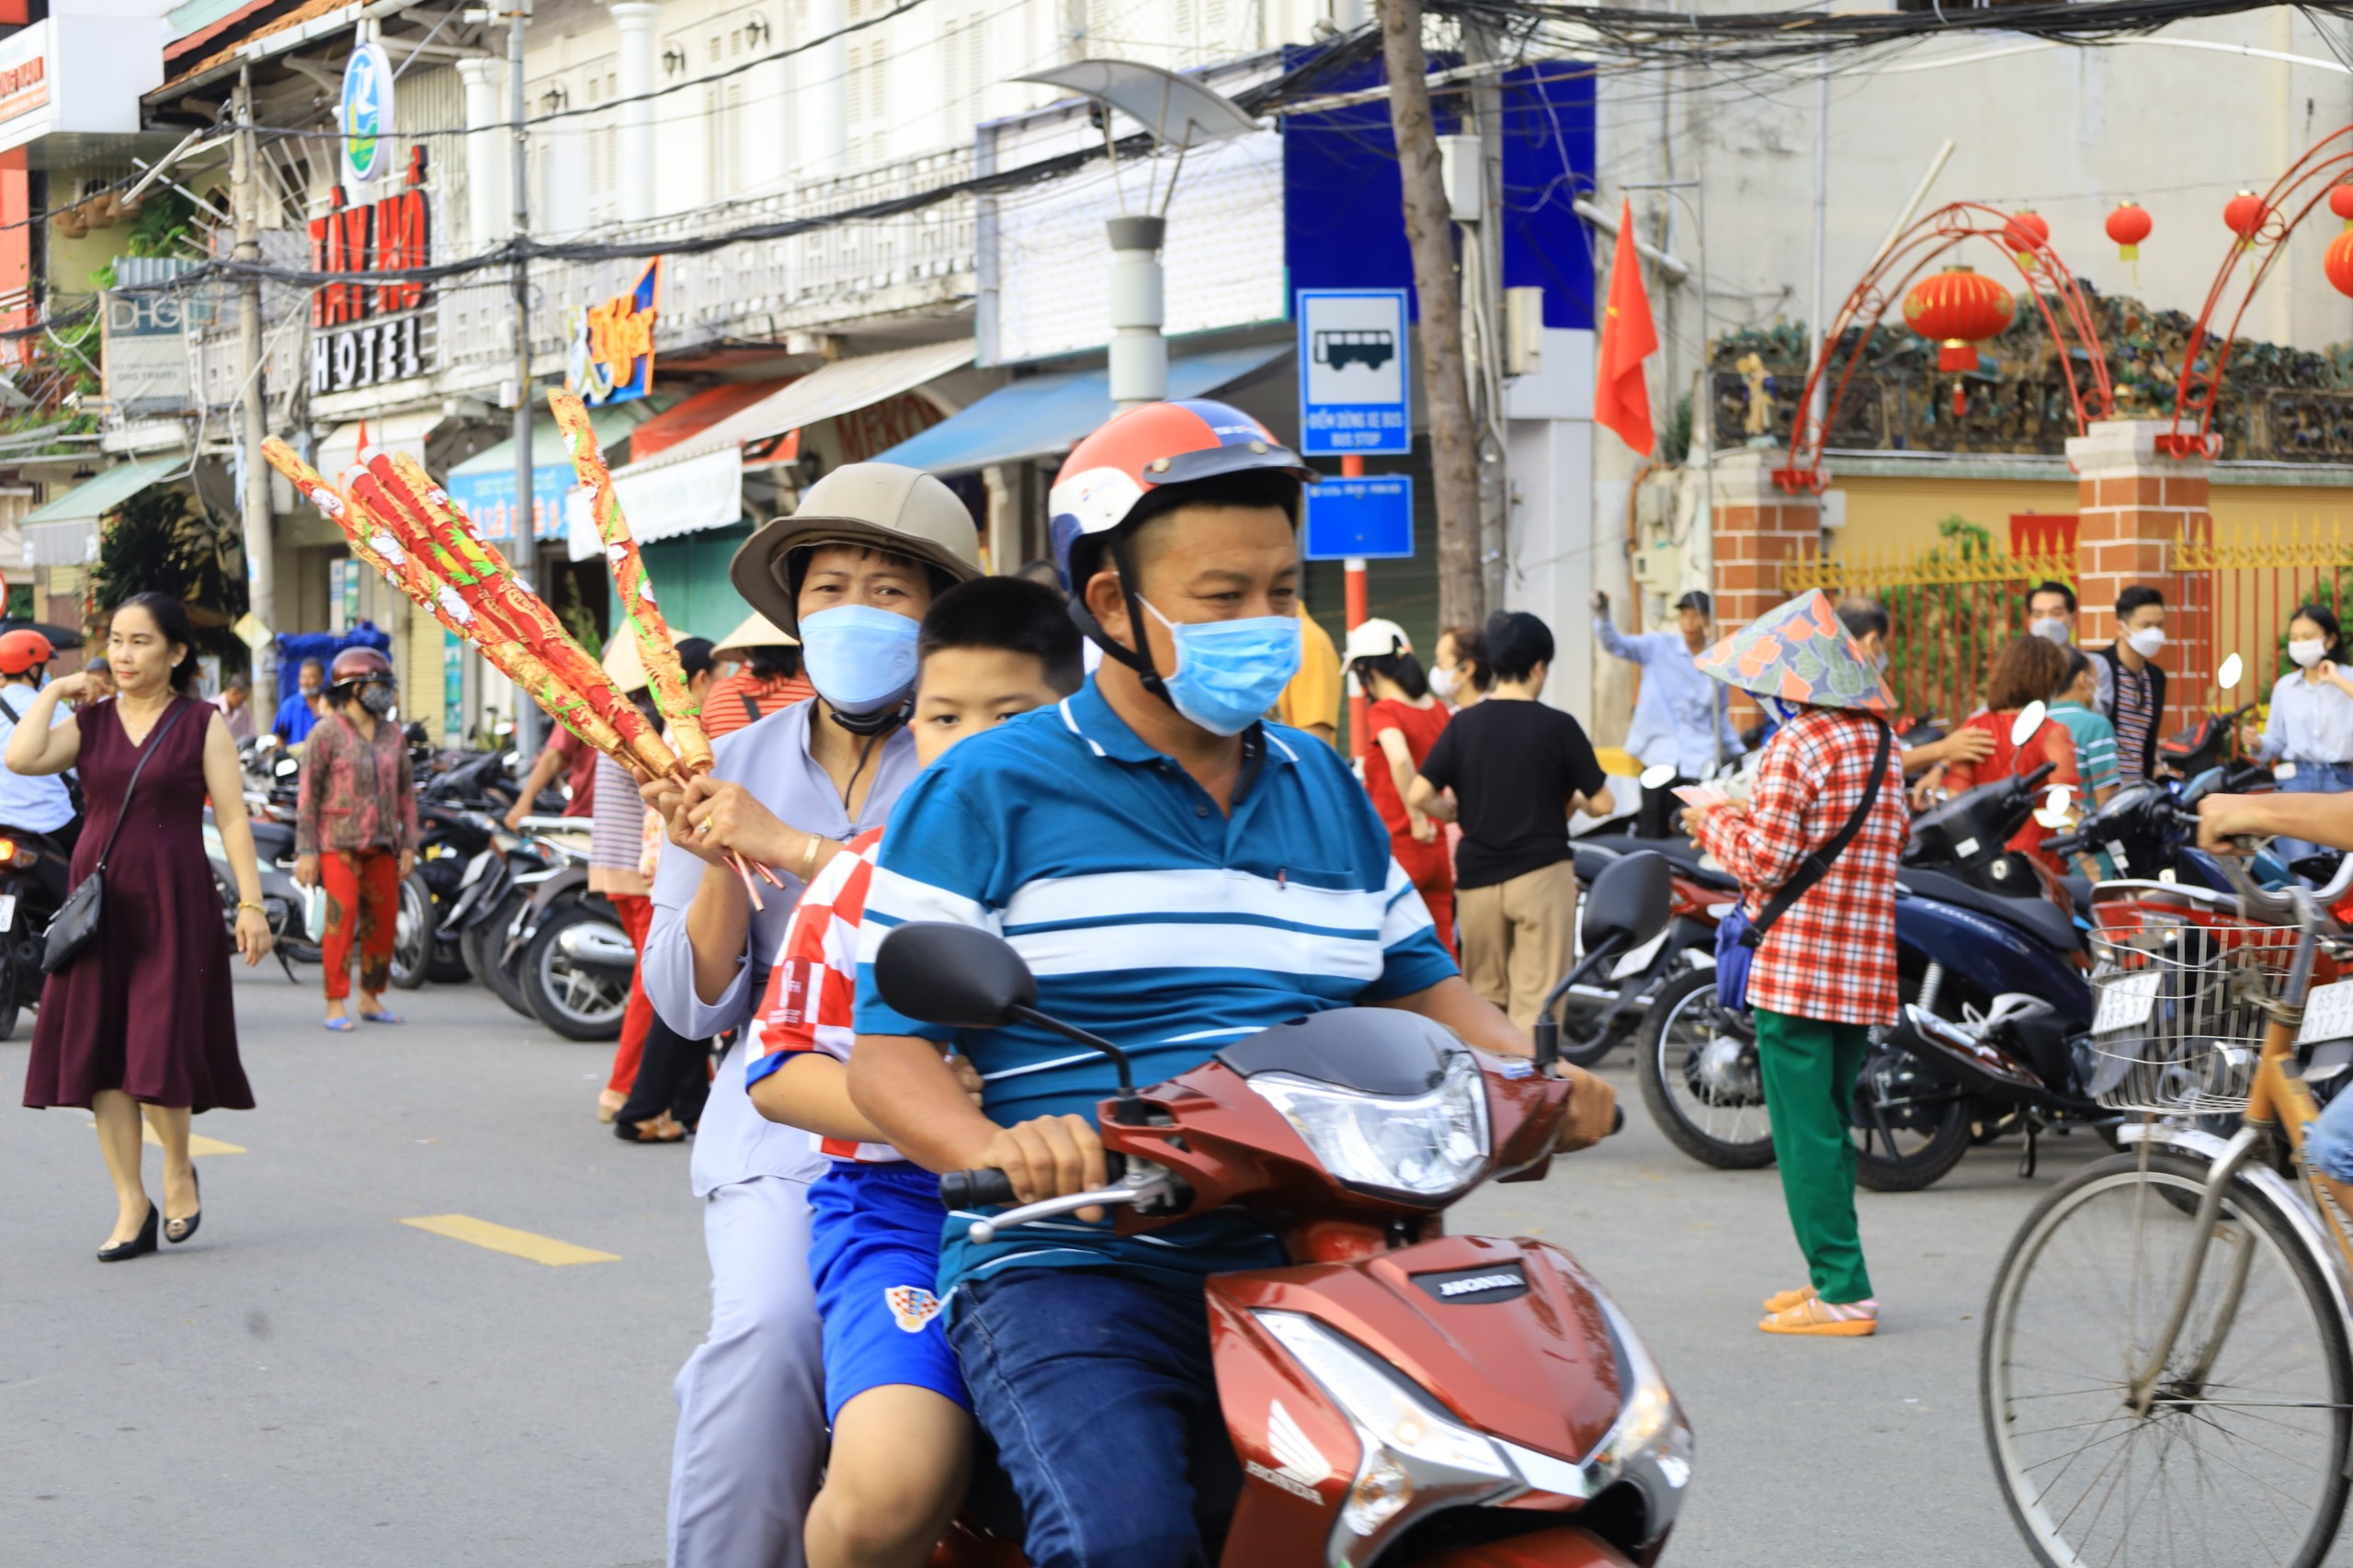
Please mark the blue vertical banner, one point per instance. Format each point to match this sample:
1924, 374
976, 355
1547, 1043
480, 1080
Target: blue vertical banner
1354, 375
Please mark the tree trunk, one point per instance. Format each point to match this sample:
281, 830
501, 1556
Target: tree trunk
1446, 388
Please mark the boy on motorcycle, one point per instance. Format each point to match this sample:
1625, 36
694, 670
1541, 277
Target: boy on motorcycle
1179, 875
903, 1432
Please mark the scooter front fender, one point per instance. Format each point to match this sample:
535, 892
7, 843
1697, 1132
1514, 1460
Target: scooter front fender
1546, 1549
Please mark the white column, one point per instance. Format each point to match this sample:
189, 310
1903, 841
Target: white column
1139, 354
824, 126
488, 222
635, 19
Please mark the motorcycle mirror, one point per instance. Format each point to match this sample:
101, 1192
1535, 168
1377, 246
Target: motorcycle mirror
956, 976
2029, 721
2053, 814
2228, 676
1630, 900
287, 766
1658, 775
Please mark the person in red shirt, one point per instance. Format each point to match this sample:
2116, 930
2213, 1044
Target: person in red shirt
767, 679
1403, 720
574, 758
1825, 970
2029, 669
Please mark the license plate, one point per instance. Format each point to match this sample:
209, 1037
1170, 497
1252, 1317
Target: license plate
2328, 1013
8, 911
2127, 1000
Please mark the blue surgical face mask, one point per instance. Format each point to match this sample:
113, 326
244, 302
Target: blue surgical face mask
1230, 672
860, 659
1780, 711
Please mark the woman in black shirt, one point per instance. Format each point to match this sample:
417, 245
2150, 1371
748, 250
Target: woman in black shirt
1518, 770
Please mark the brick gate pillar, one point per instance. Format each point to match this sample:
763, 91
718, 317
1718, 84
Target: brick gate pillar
1758, 529
2133, 506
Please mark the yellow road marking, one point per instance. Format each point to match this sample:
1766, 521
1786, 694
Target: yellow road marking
197, 1143
503, 1238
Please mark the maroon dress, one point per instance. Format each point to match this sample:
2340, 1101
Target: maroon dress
145, 1007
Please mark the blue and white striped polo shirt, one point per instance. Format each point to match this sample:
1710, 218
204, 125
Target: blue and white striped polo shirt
1149, 918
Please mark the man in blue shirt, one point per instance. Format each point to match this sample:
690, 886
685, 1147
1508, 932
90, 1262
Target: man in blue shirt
299, 714
1681, 717
1178, 875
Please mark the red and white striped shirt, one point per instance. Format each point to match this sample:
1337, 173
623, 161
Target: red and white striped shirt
812, 990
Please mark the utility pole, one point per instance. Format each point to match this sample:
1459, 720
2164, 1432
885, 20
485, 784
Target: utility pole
527, 716
261, 563
1446, 388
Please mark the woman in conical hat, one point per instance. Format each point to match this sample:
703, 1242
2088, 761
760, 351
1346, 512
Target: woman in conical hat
1826, 970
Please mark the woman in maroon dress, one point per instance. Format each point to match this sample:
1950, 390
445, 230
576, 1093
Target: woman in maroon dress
142, 1019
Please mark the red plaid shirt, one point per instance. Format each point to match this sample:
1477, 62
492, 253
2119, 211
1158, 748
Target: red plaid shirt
1831, 955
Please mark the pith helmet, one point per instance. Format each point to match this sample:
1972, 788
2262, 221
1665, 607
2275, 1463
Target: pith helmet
877, 506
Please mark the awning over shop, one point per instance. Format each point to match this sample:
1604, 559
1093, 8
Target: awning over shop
64, 532
842, 387
664, 501
699, 413
484, 484
1039, 416
392, 433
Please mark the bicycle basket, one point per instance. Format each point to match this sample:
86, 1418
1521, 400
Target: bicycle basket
2181, 1020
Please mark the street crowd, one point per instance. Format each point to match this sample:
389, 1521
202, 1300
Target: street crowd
1077, 758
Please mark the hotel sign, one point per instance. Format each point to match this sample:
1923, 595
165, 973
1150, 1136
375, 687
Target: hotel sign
365, 334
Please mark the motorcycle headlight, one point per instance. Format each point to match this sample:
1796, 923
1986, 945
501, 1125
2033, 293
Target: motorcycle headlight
1429, 1145
1650, 1427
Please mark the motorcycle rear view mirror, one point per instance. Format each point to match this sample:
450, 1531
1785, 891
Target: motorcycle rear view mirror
941, 973
2055, 805
2029, 719
1630, 902
2232, 670
1658, 775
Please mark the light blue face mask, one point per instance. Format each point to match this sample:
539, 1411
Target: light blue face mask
1230, 672
1782, 711
860, 659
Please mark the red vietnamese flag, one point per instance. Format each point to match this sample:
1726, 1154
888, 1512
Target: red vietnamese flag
1622, 399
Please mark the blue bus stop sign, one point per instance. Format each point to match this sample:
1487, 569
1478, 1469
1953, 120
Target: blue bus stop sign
1353, 347
1371, 518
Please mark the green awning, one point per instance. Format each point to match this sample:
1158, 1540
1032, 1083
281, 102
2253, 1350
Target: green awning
102, 493
611, 423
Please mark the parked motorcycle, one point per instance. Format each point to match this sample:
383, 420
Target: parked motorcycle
32, 866
1394, 1394
1595, 1015
544, 944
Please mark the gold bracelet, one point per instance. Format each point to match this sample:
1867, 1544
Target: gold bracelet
245, 903
809, 856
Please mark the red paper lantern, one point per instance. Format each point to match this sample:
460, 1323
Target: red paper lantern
2245, 213
2339, 263
2340, 201
2128, 226
1958, 307
2026, 233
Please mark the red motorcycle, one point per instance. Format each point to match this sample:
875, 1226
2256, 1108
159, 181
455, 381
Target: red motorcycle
1394, 1393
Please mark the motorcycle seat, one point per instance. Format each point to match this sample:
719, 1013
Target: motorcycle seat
1681, 853
2079, 888
2039, 917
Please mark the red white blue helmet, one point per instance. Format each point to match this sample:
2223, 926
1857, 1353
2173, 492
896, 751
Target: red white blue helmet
1108, 475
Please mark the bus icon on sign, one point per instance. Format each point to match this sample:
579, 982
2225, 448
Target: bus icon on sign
1340, 348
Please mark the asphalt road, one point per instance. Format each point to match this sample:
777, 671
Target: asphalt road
311, 1382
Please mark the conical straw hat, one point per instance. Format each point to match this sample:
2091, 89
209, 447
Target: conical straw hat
1799, 653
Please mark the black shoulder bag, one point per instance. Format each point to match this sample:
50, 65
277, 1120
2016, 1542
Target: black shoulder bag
76, 920
1816, 866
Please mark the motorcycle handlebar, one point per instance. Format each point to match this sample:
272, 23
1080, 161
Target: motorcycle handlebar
2028, 782
986, 1187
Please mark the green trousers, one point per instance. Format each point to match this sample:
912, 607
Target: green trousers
1808, 1067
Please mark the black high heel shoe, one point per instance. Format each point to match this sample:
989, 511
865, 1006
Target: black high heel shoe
145, 1242
179, 1230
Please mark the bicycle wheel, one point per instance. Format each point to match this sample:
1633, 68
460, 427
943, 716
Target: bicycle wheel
2239, 1461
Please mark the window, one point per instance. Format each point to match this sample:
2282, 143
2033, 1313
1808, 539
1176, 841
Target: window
723, 128
863, 103
964, 72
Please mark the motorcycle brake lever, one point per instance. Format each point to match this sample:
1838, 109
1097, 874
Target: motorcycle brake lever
987, 1230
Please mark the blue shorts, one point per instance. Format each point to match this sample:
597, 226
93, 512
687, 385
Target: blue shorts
874, 1257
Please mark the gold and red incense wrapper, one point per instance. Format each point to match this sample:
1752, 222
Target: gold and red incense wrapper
402, 524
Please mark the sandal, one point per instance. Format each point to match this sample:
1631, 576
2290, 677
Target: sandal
382, 1018
341, 1026
654, 1130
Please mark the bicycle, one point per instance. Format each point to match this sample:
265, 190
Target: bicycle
2165, 1373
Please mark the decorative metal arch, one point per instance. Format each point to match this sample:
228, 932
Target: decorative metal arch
2039, 268
2286, 205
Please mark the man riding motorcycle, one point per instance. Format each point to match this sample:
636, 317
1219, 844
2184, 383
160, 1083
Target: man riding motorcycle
1180, 875
41, 810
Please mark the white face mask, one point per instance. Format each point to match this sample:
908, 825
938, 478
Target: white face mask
2051, 628
1444, 682
2307, 652
2149, 642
